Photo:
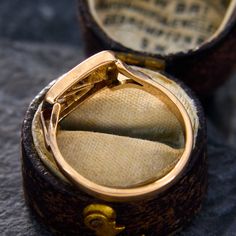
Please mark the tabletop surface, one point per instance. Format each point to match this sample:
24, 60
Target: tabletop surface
39, 40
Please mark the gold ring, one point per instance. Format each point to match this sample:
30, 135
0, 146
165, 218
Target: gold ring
100, 71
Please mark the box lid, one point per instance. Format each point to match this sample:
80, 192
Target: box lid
192, 39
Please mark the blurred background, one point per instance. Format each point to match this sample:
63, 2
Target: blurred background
39, 40
39, 21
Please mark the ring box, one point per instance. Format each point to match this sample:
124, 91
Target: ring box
60, 205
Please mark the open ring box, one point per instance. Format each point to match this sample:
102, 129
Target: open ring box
126, 137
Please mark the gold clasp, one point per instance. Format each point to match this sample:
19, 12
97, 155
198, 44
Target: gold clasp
143, 61
102, 220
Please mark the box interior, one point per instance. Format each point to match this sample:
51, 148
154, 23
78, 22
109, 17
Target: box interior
161, 26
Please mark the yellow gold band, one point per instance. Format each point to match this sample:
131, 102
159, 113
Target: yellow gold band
100, 71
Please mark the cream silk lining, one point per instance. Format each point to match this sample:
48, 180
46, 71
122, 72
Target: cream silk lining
123, 138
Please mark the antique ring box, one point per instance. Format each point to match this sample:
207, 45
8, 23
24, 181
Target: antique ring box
114, 149
118, 141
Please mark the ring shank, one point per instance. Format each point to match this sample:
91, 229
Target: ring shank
126, 77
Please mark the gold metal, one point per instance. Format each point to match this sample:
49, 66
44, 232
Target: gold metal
143, 61
101, 219
100, 71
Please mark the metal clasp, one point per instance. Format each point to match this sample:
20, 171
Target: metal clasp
101, 219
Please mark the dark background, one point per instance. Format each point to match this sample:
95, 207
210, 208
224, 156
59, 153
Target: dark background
39, 21
39, 40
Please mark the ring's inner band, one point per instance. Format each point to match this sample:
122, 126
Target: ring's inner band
123, 167
108, 77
